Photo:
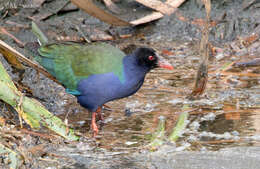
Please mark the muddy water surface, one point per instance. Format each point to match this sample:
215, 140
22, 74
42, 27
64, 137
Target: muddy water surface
227, 115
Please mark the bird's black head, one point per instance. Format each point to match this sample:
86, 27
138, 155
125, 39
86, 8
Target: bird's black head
147, 57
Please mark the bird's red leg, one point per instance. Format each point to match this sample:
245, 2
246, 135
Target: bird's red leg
93, 120
93, 124
100, 116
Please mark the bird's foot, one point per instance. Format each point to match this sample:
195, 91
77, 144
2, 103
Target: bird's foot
94, 127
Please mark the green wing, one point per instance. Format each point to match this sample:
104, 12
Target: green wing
70, 62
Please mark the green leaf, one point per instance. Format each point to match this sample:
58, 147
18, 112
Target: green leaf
158, 136
32, 111
178, 129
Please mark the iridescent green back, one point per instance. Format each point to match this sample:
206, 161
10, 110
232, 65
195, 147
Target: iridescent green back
70, 62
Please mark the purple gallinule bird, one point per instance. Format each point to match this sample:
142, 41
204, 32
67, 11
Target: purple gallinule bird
95, 73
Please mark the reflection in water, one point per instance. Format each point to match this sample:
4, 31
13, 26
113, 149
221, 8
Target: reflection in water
220, 126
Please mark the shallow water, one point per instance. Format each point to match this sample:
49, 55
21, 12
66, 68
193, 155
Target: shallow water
227, 115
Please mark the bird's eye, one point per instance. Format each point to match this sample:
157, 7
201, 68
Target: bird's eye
151, 57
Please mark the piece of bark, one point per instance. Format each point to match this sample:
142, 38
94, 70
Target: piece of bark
159, 6
157, 15
202, 73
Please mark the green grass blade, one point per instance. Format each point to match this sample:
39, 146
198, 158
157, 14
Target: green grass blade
180, 126
158, 136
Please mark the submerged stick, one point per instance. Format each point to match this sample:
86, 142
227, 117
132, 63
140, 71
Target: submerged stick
202, 73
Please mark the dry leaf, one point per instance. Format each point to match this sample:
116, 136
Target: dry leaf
89, 7
159, 6
10, 57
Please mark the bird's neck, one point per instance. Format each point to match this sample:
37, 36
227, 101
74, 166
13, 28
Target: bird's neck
132, 69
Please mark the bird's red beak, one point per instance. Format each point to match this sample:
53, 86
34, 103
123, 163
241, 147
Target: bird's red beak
164, 64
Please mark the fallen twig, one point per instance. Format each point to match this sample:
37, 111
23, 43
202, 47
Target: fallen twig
19, 43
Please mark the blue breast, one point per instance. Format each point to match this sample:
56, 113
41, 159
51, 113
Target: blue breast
98, 89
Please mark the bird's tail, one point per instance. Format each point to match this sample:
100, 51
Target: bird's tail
40, 35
